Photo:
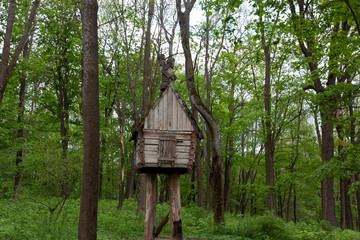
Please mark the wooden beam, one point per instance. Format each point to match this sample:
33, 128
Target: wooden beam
150, 212
175, 207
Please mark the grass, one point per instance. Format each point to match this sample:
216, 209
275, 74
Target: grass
25, 219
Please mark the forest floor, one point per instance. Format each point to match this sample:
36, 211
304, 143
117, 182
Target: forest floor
24, 219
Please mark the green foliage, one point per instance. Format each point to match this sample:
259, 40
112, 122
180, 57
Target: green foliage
26, 219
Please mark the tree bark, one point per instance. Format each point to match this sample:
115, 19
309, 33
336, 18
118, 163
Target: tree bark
89, 190
327, 185
217, 166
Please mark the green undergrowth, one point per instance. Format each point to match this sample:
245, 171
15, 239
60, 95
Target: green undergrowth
27, 219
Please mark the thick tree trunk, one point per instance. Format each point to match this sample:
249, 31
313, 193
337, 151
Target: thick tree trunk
327, 185
89, 190
346, 214
217, 164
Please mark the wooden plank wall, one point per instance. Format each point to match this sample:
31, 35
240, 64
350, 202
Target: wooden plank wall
168, 114
183, 146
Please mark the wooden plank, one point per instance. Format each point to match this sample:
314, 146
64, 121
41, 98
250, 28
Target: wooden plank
152, 141
137, 157
182, 149
159, 116
184, 155
175, 207
169, 111
152, 132
156, 117
181, 161
150, 212
155, 141
163, 115
182, 164
151, 148
140, 144
188, 123
151, 160
175, 111
183, 142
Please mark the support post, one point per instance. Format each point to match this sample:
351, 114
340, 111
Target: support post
175, 207
150, 212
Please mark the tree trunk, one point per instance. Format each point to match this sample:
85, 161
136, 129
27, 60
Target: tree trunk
20, 131
227, 187
207, 146
63, 113
89, 190
346, 220
101, 164
269, 142
131, 182
6, 68
229, 150
217, 164
199, 172
327, 185
122, 167
146, 90
326, 109
346, 214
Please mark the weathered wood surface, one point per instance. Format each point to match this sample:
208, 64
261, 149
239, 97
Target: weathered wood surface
150, 212
168, 114
151, 150
175, 207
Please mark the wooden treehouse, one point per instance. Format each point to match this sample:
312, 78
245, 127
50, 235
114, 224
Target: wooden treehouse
166, 142
166, 139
